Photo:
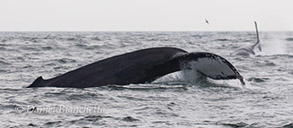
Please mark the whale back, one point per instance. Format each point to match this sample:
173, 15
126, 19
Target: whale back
135, 67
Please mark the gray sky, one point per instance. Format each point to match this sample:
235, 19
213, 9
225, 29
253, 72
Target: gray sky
145, 15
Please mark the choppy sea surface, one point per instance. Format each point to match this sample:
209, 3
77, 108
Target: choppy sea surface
176, 100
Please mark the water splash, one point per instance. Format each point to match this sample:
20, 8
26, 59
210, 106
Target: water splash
190, 76
274, 44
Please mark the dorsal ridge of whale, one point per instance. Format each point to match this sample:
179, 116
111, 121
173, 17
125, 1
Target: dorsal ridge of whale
38, 82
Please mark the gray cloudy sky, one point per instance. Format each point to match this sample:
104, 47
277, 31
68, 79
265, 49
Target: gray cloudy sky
145, 15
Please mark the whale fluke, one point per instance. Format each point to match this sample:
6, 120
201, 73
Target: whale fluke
142, 66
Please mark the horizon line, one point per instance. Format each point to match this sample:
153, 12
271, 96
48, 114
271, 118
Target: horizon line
144, 31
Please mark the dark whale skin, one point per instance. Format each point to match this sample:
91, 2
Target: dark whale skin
140, 66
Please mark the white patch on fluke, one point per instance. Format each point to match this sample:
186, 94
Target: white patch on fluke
212, 67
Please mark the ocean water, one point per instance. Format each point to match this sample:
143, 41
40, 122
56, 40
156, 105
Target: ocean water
176, 100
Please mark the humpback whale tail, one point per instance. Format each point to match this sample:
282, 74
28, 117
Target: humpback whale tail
142, 66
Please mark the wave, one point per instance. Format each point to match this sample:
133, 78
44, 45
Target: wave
145, 87
4, 63
222, 39
258, 80
288, 125
289, 39
65, 60
236, 125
